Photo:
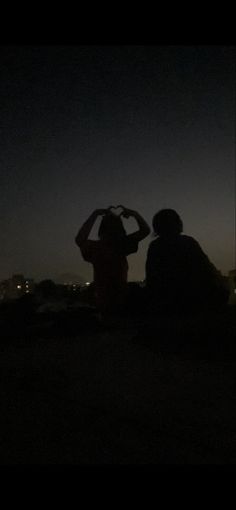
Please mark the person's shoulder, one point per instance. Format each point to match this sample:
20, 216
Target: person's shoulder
154, 244
190, 244
188, 240
155, 241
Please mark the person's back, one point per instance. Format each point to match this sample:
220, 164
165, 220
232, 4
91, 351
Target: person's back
179, 275
110, 268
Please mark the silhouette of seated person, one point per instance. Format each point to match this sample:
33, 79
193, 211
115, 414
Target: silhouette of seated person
108, 254
179, 275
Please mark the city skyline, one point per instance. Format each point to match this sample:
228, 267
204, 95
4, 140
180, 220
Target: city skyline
86, 127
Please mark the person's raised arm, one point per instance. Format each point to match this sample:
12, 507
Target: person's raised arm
86, 228
144, 229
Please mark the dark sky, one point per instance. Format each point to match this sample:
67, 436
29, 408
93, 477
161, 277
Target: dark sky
84, 127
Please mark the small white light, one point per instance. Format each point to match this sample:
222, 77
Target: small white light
27, 291
234, 291
18, 286
87, 283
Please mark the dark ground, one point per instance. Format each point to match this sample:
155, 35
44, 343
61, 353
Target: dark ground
80, 393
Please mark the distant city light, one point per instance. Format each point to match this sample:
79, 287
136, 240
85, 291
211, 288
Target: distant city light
234, 291
87, 283
18, 286
27, 291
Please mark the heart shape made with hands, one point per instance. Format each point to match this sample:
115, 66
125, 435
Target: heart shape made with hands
116, 210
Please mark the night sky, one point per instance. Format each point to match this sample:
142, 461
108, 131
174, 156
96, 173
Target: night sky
85, 127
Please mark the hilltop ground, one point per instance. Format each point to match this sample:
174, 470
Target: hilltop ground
74, 391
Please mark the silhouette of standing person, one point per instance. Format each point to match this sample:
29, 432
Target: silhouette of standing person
179, 275
108, 254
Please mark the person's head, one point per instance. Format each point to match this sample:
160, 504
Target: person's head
111, 228
167, 223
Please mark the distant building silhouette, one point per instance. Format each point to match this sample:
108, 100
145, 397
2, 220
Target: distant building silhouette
16, 287
70, 279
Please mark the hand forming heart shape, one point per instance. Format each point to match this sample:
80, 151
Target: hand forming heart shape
116, 210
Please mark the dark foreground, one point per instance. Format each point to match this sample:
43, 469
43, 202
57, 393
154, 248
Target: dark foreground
77, 392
